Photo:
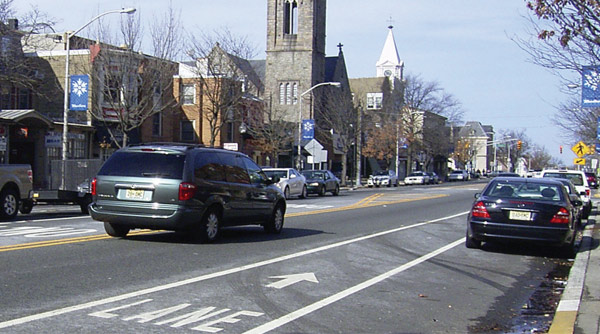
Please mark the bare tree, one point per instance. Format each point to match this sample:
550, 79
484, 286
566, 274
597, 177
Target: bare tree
338, 117
220, 60
272, 133
570, 20
130, 86
17, 70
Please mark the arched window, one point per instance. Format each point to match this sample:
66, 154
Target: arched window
281, 93
290, 25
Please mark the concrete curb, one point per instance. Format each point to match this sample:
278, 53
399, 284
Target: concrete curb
570, 301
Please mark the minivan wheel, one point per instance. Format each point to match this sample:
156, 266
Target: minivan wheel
209, 226
116, 230
275, 223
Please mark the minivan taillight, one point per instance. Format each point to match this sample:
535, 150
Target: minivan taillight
561, 217
186, 191
93, 186
30, 175
588, 192
479, 210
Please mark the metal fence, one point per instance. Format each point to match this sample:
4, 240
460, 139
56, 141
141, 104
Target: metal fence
76, 171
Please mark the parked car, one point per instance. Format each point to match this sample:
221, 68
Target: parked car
592, 179
534, 210
187, 188
321, 181
579, 180
291, 182
575, 198
417, 177
382, 178
458, 175
433, 178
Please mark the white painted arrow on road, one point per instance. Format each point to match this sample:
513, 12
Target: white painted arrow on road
292, 279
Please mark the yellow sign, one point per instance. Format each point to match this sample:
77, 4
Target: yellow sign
579, 161
580, 149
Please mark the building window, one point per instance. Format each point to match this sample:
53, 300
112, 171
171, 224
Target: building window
290, 17
112, 91
374, 100
187, 131
288, 93
157, 125
188, 94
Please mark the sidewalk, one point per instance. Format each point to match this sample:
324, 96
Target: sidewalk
579, 308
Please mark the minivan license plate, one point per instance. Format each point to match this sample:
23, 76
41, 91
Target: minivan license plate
519, 215
134, 194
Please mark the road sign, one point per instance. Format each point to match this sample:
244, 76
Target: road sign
579, 161
580, 149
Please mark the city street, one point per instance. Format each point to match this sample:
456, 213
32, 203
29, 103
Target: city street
374, 260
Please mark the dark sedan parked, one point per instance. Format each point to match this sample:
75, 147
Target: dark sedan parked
321, 181
529, 210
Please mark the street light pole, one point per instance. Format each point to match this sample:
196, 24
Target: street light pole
329, 83
65, 136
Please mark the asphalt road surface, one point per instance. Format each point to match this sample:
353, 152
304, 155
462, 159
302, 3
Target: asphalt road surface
377, 260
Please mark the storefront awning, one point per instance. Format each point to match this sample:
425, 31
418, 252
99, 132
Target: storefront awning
25, 116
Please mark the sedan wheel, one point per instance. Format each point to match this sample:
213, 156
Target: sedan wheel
336, 191
322, 191
286, 193
304, 192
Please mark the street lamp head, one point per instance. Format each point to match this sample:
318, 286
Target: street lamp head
335, 84
130, 10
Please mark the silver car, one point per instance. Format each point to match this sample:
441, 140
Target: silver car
291, 182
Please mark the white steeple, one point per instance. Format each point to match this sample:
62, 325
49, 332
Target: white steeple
389, 64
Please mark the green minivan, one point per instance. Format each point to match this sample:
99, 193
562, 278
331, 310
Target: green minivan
186, 188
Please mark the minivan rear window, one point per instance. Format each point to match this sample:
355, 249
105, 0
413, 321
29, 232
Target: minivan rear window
141, 164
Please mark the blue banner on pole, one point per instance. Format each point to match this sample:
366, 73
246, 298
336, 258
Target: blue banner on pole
79, 85
308, 129
590, 88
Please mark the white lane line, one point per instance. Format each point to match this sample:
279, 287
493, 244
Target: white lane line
79, 307
274, 324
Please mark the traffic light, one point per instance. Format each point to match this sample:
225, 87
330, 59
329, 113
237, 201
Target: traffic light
519, 145
560, 149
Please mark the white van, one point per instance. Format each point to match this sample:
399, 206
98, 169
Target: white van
580, 182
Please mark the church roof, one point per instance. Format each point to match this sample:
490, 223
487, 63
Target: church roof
389, 54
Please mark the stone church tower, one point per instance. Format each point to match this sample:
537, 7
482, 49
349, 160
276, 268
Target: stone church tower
295, 55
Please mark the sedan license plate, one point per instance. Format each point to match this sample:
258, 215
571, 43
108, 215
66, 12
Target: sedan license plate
519, 215
134, 194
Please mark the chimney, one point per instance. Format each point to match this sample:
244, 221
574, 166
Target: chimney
13, 24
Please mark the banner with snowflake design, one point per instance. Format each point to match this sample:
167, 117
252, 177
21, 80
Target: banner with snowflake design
590, 88
79, 85
308, 129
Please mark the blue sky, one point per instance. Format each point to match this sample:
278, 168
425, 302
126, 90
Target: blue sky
464, 45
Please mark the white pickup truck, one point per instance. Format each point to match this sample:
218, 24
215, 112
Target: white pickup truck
16, 182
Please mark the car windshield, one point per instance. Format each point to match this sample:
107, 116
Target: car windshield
280, 173
382, 172
168, 166
524, 190
416, 174
313, 175
576, 179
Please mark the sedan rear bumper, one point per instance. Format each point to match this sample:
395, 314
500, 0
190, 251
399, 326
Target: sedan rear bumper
485, 230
